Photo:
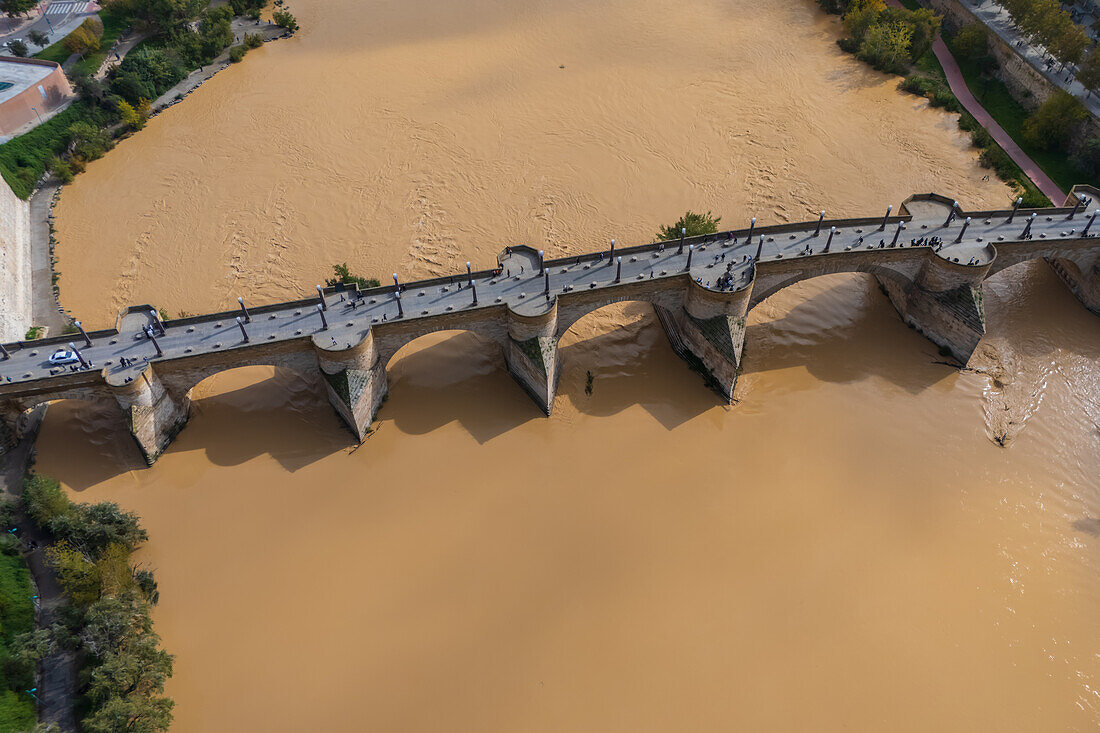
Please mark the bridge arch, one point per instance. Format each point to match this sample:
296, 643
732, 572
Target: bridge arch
891, 279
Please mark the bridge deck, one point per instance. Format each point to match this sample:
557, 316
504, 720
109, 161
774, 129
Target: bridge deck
519, 285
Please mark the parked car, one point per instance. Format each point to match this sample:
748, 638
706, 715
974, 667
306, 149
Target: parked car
64, 356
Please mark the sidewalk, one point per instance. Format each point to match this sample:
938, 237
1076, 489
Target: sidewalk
1000, 22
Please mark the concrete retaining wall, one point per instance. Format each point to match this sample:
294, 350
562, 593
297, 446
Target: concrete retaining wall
15, 265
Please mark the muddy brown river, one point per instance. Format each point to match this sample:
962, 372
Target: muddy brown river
847, 548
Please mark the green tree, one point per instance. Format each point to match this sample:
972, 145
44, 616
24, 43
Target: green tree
61, 169
886, 46
17, 7
164, 15
1069, 43
860, 16
972, 41
247, 7
1089, 75
130, 116
126, 688
18, 48
82, 40
344, 276
1054, 123
39, 38
92, 528
77, 575
88, 141
44, 499
284, 19
694, 224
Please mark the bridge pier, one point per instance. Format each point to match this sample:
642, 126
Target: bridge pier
1082, 277
944, 303
152, 415
708, 332
355, 380
531, 354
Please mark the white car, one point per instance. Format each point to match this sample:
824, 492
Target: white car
62, 356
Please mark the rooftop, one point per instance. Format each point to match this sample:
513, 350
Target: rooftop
21, 76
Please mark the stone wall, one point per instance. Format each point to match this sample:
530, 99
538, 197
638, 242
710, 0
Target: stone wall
1029, 87
15, 265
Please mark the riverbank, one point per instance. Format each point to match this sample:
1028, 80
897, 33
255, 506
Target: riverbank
35, 285
758, 568
56, 680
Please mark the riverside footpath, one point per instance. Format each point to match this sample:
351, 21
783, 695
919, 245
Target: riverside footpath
961, 91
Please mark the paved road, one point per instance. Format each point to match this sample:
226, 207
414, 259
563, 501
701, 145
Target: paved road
519, 284
59, 19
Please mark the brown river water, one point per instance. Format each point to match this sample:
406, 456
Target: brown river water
845, 549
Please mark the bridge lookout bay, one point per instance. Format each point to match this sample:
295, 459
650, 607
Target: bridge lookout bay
930, 260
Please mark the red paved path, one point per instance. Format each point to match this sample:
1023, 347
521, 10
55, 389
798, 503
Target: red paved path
970, 104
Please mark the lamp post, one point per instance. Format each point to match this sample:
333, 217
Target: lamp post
951, 214
1076, 205
156, 345
87, 341
611, 256
1015, 206
752, 225
882, 228
691, 251
159, 324
240, 324
897, 233
962, 231
832, 231
542, 262
321, 297
1085, 233
324, 321
247, 318
1027, 227
619, 267
683, 233
72, 347
819, 220
4, 353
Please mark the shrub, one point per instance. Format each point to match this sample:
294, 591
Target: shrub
61, 169
39, 38
253, 40
18, 48
236, 53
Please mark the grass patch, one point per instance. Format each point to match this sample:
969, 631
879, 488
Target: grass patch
929, 80
17, 708
113, 26
1010, 114
23, 159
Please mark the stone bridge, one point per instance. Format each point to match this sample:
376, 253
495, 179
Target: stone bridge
930, 259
